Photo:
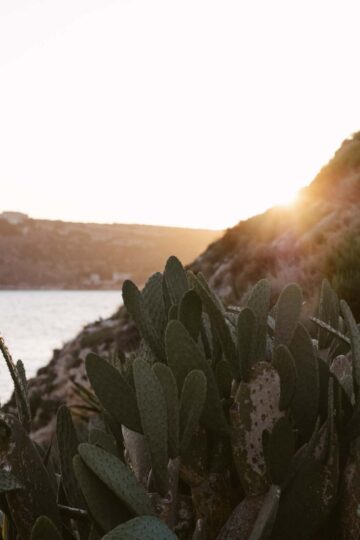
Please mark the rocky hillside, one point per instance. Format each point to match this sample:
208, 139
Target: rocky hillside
43, 254
316, 237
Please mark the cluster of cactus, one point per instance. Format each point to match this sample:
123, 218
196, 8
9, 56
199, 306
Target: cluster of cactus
226, 423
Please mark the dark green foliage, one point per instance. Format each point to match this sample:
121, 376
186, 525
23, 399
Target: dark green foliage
223, 378
114, 392
104, 440
247, 341
328, 312
144, 528
117, 477
216, 312
153, 413
136, 306
190, 311
225, 424
193, 397
168, 383
183, 356
279, 448
67, 444
104, 507
354, 333
287, 314
176, 280
17, 373
44, 529
267, 515
343, 270
21, 457
311, 494
284, 364
8, 481
182, 352
259, 303
154, 302
305, 401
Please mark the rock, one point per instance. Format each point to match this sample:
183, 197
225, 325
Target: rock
54, 385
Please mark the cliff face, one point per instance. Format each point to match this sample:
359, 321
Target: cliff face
301, 243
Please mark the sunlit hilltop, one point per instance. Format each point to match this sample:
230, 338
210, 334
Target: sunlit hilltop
316, 236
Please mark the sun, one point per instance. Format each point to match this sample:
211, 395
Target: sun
288, 199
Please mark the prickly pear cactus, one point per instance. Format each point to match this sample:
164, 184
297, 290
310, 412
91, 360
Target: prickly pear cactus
227, 423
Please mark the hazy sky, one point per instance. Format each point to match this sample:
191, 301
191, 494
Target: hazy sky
194, 113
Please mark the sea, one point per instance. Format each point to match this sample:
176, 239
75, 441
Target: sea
34, 323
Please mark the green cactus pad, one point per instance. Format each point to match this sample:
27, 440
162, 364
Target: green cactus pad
17, 373
246, 341
266, 517
349, 519
44, 529
138, 454
193, 397
105, 508
113, 391
242, 520
153, 299
223, 378
355, 343
169, 386
67, 444
22, 398
279, 448
20, 456
103, 440
256, 408
311, 494
284, 364
117, 477
190, 313
183, 356
328, 312
141, 528
173, 313
153, 413
305, 401
216, 313
135, 305
288, 309
259, 302
176, 279
341, 368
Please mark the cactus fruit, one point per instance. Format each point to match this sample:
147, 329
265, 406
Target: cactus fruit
226, 423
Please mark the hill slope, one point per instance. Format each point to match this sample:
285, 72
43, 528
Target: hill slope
39, 253
317, 237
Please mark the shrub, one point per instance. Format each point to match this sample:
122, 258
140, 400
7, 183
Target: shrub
342, 267
226, 423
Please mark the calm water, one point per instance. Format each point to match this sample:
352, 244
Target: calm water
33, 323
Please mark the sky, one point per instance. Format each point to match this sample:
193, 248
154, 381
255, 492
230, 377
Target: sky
191, 113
